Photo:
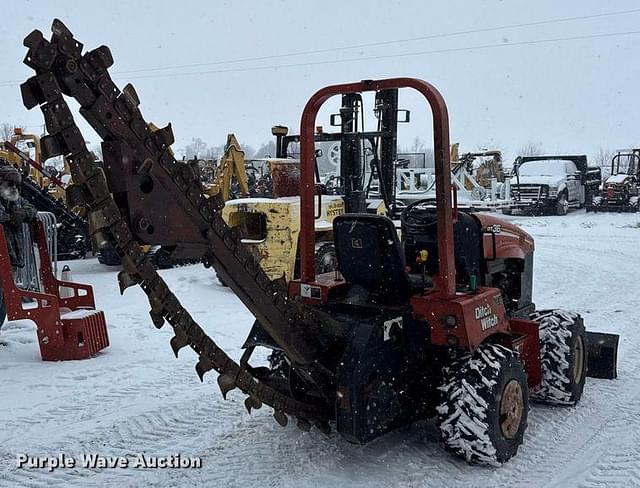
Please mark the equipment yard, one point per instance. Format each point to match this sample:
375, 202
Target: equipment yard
135, 398
340, 306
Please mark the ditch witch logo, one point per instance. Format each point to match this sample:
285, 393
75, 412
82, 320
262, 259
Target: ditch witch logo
486, 317
95, 461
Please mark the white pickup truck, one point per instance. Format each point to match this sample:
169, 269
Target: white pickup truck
552, 184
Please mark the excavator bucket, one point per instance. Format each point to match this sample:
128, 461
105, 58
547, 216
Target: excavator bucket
602, 355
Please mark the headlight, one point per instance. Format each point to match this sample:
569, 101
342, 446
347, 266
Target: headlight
553, 191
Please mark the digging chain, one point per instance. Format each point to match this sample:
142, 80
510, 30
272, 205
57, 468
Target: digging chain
61, 69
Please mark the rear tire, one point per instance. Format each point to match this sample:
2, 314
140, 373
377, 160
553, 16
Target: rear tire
485, 401
507, 211
563, 355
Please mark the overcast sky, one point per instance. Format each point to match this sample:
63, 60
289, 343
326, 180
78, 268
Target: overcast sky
571, 96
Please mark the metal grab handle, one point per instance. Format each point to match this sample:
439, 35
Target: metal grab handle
454, 189
319, 193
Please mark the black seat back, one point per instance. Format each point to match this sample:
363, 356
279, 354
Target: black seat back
370, 255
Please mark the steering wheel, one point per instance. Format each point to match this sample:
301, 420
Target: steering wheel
409, 217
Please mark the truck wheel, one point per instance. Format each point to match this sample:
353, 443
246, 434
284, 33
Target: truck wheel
507, 211
562, 204
563, 354
485, 401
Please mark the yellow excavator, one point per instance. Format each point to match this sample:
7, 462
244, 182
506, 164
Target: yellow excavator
231, 167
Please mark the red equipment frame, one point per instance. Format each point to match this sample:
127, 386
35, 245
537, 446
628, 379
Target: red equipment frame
464, 319
68, 327
445, 281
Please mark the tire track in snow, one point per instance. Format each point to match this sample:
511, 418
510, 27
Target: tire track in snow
220, 432
615, 446
179, 418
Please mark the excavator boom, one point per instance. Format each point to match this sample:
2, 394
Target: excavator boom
231, 166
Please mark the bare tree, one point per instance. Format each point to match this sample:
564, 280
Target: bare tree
531, 149
197, 148
417, 146
267, 150
200, 149
603, 157
428, 157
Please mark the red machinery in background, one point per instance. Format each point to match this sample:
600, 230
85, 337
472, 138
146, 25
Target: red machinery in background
69, 327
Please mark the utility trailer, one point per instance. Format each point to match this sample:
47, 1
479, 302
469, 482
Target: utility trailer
441, 324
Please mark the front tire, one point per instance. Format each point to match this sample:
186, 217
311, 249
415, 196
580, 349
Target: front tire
485, 401
563, 356
562, 204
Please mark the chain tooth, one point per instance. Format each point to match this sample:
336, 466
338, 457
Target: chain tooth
126, 280
252, 402
178, 341
304, 425
59, 29
226, 384
280, 417
323, 426
157, 319
203, 366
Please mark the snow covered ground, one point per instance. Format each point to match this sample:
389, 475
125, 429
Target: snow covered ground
135, 397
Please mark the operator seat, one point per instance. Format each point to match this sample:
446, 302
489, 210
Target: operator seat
370, 255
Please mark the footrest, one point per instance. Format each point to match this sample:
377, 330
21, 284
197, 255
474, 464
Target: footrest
84, 334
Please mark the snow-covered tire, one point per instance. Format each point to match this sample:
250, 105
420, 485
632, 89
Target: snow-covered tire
483, 410
563, 355
562, 204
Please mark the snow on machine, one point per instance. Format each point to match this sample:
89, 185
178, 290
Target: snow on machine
438, 324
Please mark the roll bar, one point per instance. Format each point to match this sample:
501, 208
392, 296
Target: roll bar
445, 280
